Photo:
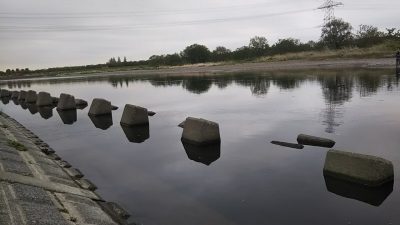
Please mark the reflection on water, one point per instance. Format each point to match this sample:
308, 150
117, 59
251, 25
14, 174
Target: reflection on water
5, 100
68, 116
33, 109
203, 154
46, 112
164, 181
372, 195
137, 134
102, 122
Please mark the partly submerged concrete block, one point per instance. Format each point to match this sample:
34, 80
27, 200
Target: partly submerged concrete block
151, 113
68, 116
113, 107
358, 168
22, 96
102, 122
80, 102
304, 139
44, 99
31, 97
134, 115
287, 144
55, 99
100, 107
5, 93
200, 131
66, 102
14, 94
182, 124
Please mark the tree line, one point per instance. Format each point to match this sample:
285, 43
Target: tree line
336, 34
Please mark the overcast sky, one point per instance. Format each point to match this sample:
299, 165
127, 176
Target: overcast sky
48, 33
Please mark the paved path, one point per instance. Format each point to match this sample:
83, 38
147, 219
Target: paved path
38, 188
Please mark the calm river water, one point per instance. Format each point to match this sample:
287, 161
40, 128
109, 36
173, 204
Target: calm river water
249, 180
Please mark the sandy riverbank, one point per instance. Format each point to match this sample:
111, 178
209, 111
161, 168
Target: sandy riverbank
223, 68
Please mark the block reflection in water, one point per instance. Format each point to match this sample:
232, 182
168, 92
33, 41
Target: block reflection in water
372, 195
102, 122
16, 102
68, 116
5, 100
46, 112
205, 154
33, 109
137, 134
23, 104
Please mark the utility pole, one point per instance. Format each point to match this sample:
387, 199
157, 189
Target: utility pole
329, 7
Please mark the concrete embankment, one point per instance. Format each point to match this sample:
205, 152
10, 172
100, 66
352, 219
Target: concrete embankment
38, 187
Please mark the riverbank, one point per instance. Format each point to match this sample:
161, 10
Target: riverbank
38, 187
223, 68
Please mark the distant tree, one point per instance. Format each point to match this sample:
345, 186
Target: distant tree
196, 54
286, 45
391, 33
336, 34
125, 60
8, 71
119, 60
259, 45
173, 60
243, 53
368, 35
220, 54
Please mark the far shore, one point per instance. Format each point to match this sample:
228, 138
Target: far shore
224, 68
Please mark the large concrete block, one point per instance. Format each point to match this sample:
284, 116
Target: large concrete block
200, 131
68, 116
44, 99
66, 102
46, 112
100, 107
14, 94
358, 168
22, 96
31, 97
304, 139
134, 115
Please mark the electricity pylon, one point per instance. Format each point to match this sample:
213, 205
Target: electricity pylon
329, 7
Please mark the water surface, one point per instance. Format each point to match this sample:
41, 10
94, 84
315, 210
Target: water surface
246, 180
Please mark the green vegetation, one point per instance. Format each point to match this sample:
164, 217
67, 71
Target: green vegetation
17, 145
337, 40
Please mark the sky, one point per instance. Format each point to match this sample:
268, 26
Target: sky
50, 33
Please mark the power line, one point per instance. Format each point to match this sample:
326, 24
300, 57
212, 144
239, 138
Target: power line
144, 26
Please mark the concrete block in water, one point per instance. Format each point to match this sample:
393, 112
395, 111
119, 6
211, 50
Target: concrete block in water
182, 124
55, 100
358, 168
304, 139
22, 96
5, 93
80, 102
14, 94
134, 115
151, 113
200, 131
113, 107
286, 144
31, 97
44, 99
100, 107
5, 100
66, 102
